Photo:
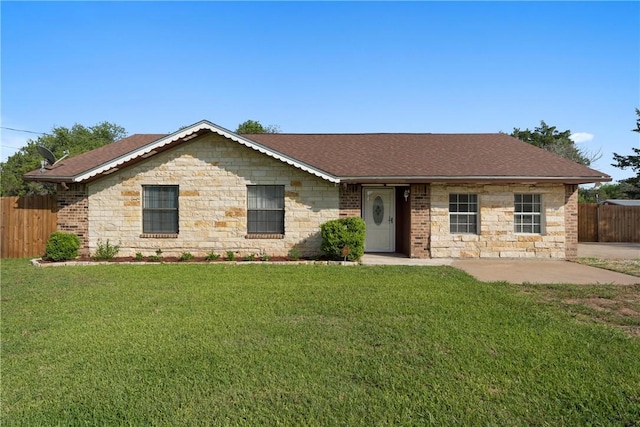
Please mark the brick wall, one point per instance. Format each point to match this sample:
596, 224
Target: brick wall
420, 221
571, 221
350, 200
496, 237
73, 211
212, 174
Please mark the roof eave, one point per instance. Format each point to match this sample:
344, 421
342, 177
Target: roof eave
47, 178
194, 131
474, 179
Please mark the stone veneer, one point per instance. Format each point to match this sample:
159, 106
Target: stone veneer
212, 173
496, 237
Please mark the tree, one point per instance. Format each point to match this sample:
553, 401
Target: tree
631, 186
77, 140
253, 126
599, 193
550, 139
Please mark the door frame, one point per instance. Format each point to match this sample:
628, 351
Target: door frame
393, 209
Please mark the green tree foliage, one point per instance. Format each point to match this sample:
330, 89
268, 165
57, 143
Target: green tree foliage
631, 186
77, 140
550, 139
600, 193
253, 126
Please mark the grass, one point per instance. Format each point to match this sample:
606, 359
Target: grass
626, 266
217, 344
617, 306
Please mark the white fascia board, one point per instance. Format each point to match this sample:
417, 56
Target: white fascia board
185, 133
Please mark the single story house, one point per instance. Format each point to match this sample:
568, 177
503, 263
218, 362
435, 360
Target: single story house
204, 188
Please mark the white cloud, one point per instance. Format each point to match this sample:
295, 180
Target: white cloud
579, 137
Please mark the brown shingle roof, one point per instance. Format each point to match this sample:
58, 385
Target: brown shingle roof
370, 157
76, 165
423, 155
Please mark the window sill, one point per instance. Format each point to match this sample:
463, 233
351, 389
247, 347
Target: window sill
159, 235
264, 236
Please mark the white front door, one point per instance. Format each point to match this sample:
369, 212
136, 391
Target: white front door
379, 215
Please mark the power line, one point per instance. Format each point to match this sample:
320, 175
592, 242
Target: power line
23, 130
9, 146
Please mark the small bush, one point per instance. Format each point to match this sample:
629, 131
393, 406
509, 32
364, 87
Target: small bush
153, 258
105, 250
250, 257
265, 257
62, 246
344, 232
186, 256
138, 256
294, 254
212, 256
231, 256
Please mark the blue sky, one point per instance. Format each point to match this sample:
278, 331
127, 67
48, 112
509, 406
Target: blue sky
307, 67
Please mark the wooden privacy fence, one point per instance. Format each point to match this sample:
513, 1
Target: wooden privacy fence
27, 223
608, 223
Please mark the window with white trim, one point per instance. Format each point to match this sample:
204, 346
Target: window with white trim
463, 213
160, 209
528, 213
265, 209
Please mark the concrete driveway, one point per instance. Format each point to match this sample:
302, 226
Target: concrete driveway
532, 271
537, 271
609, 250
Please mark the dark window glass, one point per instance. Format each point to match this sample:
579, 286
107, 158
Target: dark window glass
160, 209
265, 209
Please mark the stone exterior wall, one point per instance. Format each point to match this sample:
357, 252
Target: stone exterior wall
496, 237
212, 174
420, 221
73, 211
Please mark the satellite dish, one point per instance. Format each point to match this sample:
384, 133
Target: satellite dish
47, 154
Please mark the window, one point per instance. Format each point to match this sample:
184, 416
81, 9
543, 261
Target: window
160, 209
463, 213
265, 209
527, 214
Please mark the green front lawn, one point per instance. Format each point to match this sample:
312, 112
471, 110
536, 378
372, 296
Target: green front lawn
257, 344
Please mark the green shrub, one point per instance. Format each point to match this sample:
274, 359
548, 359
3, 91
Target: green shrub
294, 254
138, 256
250, 257
186, 256
265, 257
231, 256
62, 246
344, 232
211, 256
105, 250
